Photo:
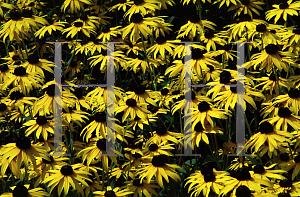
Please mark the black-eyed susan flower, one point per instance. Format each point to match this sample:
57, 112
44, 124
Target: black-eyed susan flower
295, 165
23, 79
79, 27
205, 181
51, 27
21, 152
24, 191
211, 40
194, 26
97, 149
267, 134
93, 186
243, 177
41, 125
222, 2
132, 108
142, 187
162, 45
159, 168
199, 134
265, 173
65, 176
109, 32
283, 9
270, 83
246, 6
122, 4
139, 25
284, 118
163, 135
116, 192
140, 63
34, 64
75, 5
153, 149
205, 111
291, 100
140, 6
287, 186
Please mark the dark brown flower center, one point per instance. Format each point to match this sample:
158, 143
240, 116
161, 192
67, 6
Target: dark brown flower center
284, 157
266, 127
161, 40
243, 191
136, 18
209, 177
106, 29
245, 2
20, 191
261, 28
3, 107
203, 106
259, 169
110, 193
272, 77
101, 144
164, 91
139, 89
159, 160
66, 170
16, 95
209, 34
286, 183
131, 102
197, 54
78, 24
297, 159
198, 127
296, 31
138, 2
243, 174
20, 71
271, 49
15, 15
153, 147
284, 195
161, 131
33, 59
284, 5
294, 93
225, 77
23, 143
284, 112
41, 120
27, 13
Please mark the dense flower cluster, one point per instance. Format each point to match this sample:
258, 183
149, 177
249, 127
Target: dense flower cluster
150, 106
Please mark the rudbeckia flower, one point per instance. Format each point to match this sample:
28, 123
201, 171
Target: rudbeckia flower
98, 125
109, 32
116, 192
243, 177
139, 188
194, 1
222, 2
287, 186
199, 133
265, 33
295, 165
265, 173
283, 118
205, 111
163, 135
49, 27
154, 149
79, 27
140, 63
132, 109
270, 83
122, 4
140, 6
211, 40
5, 5
34, 64
194, 26
75, 5
96, 150
159, 168
291, 100
19, 152
247, 6
269, 57
205, 181
24, 191
267, 134
41, 125
162, 45
283, 9
65, 176
23, 79
139, 25
14, 56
